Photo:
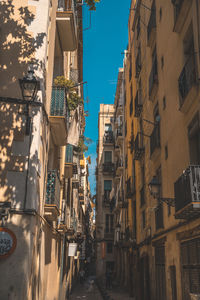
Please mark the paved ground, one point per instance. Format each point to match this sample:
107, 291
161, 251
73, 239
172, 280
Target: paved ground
85, 291
118, 294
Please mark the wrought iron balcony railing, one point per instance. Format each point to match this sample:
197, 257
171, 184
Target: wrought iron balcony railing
108, 137
109, 168
138, 147
187, 78
187, 193
53, 188
69, 154
153, 78
138, 104
59, 103
119, 131
155, 139
129, 188
66, 5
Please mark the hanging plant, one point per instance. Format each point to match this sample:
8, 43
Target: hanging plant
92, 4
73, 100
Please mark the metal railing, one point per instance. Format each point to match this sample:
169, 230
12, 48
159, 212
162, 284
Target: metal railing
120, 131
53, 188
108, 137
69, 154
155, 139
119, 163
153, 77
108, 167
138, 143
66, 5
59, 103
138, 104
187, 187
187, 78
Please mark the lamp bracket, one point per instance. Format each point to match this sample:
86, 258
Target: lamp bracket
168, 201
5, 207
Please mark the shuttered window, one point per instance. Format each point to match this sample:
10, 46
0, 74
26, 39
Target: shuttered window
190, 263
160, 273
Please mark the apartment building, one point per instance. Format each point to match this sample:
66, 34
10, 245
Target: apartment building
105, 182
162, 115
40, 210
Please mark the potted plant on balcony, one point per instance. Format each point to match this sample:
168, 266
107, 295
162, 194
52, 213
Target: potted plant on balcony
73, 100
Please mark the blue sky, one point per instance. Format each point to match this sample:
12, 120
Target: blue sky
103, 45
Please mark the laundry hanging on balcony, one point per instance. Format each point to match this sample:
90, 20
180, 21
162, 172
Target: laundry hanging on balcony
74, 129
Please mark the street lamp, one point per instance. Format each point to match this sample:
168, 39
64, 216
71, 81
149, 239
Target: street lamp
155, 190
29, 87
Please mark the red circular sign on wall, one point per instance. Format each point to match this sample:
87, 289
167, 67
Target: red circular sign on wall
8, 242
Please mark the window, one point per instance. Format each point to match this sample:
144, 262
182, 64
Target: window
166, 152
143, 219
190, 267
108, 156
194, 141
108, 127
164, 103
109, 223
109, 247
107, 188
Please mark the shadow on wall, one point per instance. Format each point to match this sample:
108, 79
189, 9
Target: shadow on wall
17, 50
17, 45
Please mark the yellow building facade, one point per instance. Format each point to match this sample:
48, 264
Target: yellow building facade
162, 144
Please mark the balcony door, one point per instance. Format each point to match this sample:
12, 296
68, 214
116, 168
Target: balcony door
194, 141
108, 157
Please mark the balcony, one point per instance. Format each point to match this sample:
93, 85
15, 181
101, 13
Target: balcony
155, 139
108, 138
52, 201
119, 135
130, 188
59, 116
119, 110
73, 223
187, 83
181, 8
138, 147
66, 19
69, 161
109, 234
119, 167
153, 80
187, 194
108, 168
138, 104
151, 28
106, 199
62, 224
